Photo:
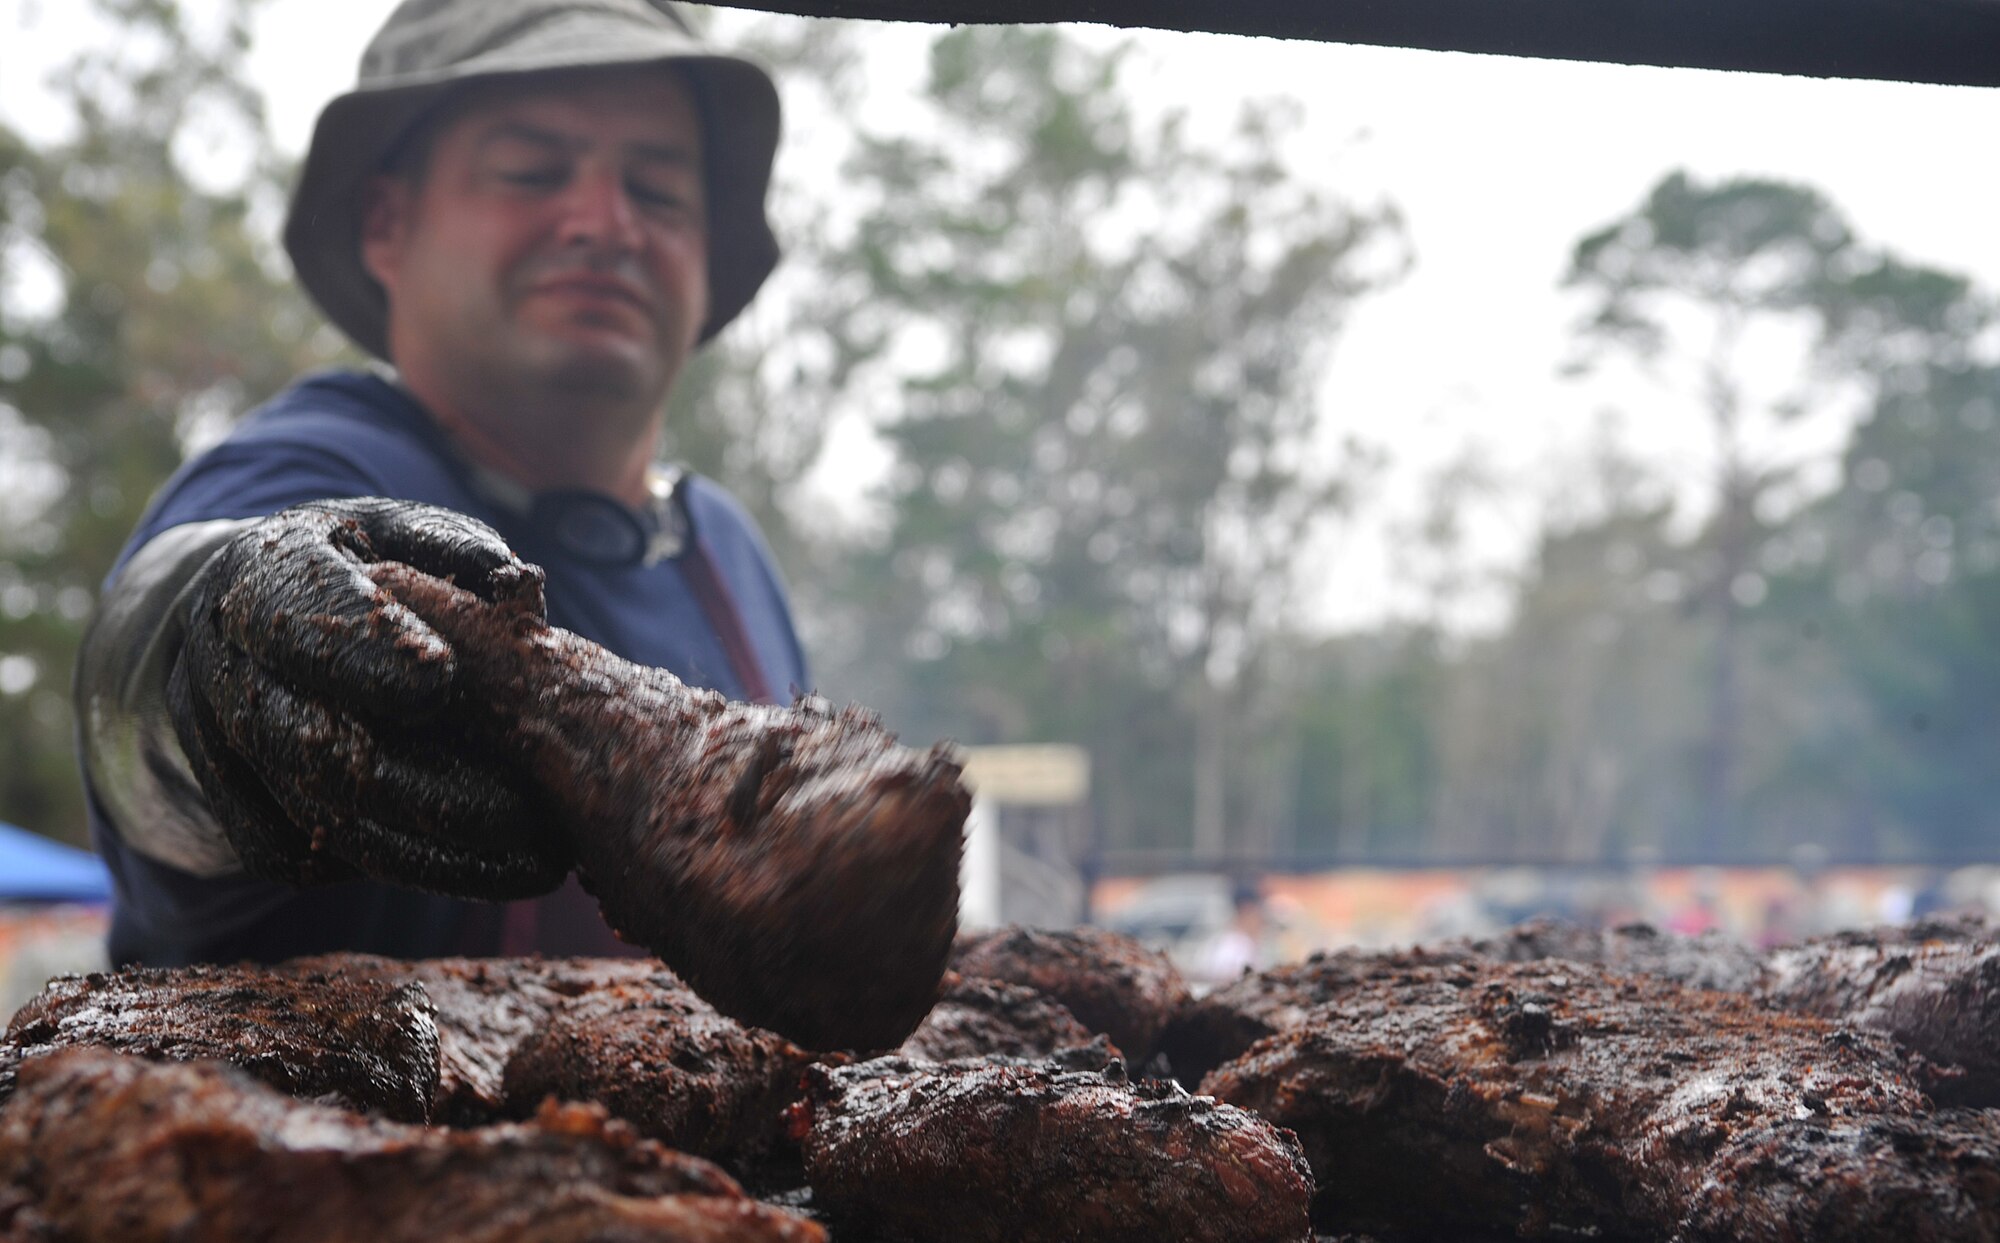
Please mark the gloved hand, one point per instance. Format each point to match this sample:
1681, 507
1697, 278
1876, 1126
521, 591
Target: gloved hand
318, 713
795, 866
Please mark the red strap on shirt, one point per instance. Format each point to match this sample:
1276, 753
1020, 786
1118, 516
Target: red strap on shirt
719, 604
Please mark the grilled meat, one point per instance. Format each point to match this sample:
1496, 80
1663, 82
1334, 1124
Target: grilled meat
1923, 1179
1933, 984
1710, 960
671, 1066
995, 1152
1110, 982
362, 1043
1221, 1025
1549, 1098
796, 867
978, 1018
1936, 930
96, 1147
1939, 995
485, 1009
623, 1033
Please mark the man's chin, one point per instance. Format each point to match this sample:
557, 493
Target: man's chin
597, 368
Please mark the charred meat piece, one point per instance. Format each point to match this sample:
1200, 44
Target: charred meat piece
1941, 997
1933, 984
95, 1146
1921, 1179
366, 1044
994, 1152
670, 1065
1935, 930
794, 865
1710, 960
1549, 1098
1110, 982
977, 1018
485, 1009
1221, 1025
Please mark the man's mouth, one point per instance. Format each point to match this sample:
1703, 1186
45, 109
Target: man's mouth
596, 289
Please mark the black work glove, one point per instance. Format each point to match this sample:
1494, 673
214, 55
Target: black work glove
795, 866
320, 716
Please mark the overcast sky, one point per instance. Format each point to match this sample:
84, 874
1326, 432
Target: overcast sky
1497, 164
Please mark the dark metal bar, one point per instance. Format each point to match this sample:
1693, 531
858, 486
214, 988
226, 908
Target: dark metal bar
1942, 41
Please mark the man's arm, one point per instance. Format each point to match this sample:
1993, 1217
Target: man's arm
181, 883
132, 760
134, 767
262, 703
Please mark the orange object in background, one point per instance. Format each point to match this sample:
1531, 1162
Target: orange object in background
1379, 907
37, 942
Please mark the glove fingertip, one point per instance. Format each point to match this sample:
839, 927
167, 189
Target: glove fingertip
516, 587
451, 545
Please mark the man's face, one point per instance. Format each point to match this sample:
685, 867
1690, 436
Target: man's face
556, 236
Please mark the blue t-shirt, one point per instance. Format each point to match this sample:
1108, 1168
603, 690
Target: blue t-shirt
715, 615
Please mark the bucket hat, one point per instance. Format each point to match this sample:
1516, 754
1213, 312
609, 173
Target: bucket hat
429, 48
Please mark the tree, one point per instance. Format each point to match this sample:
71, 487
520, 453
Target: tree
754, 408
1103, 341
1367, 761
1903, 562
161, 313
1699, 286
1753, 302
1562, 734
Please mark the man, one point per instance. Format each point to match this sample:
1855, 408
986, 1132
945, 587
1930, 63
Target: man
532, 212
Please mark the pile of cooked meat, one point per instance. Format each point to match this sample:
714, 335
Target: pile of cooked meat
1550, 1082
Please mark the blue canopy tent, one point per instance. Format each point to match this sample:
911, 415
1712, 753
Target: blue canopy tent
35, 869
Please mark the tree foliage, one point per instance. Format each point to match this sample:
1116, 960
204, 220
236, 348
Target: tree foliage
1104, 339
1903, 562
754, 409
140, 308
1787, 670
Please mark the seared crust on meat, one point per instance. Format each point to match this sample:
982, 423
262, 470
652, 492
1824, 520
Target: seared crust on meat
1221, 1025
1110, 982
1218, 1028
996, 1151
977, 1018
485, 1008
1550, 1098
365, 1043
670, 1065
95, 1146
1936, 988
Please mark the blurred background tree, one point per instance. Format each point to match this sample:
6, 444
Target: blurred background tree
1702, 286
755, 408
1731, 669
1102, 343
141, 308
1901, 569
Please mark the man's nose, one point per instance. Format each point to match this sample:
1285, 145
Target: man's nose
598, 211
